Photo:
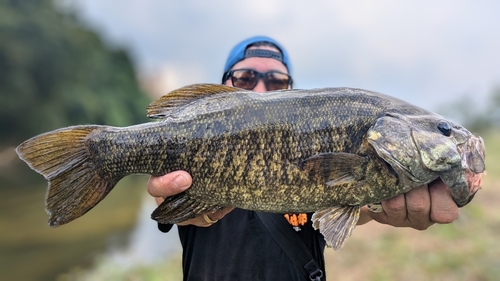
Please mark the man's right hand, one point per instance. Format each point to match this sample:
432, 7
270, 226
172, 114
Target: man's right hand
176, 182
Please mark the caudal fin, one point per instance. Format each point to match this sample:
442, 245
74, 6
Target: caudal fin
75, 186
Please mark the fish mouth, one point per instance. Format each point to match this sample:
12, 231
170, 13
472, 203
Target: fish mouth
463, 184
473, 155
474, 181
473, 164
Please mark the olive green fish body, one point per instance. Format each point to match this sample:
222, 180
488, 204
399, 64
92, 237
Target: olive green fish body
248, 153
284, 151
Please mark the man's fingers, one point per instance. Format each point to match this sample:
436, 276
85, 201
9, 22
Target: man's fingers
214, 216
418, 206
159, 200
217, 215
406, 210
444, 209
169, 184
174, 183
395, 210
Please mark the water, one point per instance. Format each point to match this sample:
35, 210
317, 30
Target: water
147, 244
31, 250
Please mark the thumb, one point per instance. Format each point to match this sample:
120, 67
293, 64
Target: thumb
169, 184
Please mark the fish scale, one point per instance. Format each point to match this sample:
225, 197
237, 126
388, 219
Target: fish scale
328, 151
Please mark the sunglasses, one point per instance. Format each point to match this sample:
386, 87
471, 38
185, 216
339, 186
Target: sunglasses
248, 78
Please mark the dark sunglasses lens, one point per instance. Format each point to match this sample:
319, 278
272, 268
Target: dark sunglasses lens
245, 79
277, 81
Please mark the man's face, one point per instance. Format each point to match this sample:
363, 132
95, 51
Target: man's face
261, 65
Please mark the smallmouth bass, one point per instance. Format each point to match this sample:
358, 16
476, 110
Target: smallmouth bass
328, 151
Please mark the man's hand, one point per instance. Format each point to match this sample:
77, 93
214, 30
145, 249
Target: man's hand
418, 209
176, 182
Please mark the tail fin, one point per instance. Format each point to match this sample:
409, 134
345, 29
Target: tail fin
61, 157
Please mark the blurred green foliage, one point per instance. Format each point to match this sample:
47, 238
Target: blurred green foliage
56, 73
105, 268
478, 120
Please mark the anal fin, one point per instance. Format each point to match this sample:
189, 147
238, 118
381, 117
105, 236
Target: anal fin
179, 208
336, 224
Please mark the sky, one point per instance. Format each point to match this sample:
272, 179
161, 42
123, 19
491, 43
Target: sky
429, 53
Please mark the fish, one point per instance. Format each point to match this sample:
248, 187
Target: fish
329, 151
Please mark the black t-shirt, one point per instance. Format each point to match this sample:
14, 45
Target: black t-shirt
239, 247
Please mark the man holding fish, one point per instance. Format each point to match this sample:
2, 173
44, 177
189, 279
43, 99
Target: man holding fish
236, 244
270, 166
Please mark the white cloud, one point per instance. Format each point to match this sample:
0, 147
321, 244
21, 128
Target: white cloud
422, 52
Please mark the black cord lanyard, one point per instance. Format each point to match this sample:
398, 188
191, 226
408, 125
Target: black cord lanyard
293, 246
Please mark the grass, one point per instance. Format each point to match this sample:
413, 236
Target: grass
108, 269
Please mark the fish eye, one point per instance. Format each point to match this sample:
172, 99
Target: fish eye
444, 128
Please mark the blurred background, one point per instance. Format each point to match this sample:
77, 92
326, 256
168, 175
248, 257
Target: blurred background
71, 62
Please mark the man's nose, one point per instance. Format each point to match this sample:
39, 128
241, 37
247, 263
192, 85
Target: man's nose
260, 87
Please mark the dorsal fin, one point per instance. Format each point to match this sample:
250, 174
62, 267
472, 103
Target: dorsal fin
165, 105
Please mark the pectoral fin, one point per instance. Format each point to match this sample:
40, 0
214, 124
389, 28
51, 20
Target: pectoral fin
334, 168
375, 207
336, 224
179, 208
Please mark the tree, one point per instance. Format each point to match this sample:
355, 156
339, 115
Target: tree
476, 119
56, 73
493, 110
